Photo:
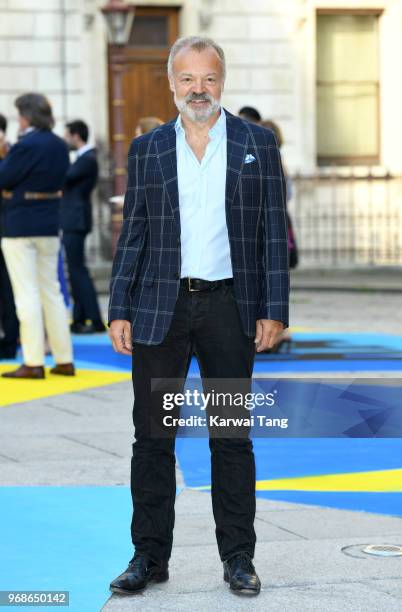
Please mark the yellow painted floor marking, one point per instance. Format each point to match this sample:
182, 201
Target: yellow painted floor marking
16, 391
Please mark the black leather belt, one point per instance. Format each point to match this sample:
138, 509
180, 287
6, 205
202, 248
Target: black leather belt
34, 195
199, 284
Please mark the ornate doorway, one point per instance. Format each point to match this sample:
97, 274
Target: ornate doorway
145, 89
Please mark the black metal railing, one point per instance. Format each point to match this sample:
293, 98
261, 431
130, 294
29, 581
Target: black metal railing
352, 219
340, 220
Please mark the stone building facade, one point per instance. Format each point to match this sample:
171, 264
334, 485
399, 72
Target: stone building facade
328, 72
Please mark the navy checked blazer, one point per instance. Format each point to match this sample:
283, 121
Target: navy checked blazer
146, 269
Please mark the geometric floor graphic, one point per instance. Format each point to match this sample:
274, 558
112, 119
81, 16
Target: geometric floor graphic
332, 352
16, 391
336, 472
355, 474
99, 365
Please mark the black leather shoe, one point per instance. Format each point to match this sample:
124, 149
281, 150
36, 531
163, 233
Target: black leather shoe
239, 571
78, 328
139, 572
98, 327
91, 328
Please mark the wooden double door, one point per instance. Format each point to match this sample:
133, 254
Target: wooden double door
145, 86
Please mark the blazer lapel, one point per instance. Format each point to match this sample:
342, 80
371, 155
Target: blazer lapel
165, 143
237, 142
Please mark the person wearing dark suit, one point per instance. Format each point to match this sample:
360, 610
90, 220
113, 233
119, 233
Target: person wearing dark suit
249, 113
76, 223
8, 316
201, 265
31, 179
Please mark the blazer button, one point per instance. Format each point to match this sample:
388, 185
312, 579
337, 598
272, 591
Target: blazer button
176, 275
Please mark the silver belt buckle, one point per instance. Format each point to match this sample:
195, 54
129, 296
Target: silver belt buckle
189, 285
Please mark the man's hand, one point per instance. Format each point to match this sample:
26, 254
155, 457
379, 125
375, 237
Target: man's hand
267, 334
120, 335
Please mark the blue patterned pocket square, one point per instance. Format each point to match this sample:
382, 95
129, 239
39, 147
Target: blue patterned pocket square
249, 158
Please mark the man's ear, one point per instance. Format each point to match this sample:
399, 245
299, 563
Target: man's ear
171, 84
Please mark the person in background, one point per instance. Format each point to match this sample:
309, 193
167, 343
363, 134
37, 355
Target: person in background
76, 223
31, 177
8, 316
250, 113
285, 338
293, 252
4, 145
146, 124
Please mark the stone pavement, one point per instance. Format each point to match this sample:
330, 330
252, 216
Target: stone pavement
300, 557
387, 279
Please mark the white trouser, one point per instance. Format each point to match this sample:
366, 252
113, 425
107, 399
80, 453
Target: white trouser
32, 264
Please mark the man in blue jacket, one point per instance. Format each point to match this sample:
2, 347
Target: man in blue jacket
31, 179
76, 223
201, 266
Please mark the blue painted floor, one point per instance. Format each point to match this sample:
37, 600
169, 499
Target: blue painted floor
378, 503
68, 538
290, 458
72, 539
309, 352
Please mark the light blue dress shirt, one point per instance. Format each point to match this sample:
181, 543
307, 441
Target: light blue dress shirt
205, 249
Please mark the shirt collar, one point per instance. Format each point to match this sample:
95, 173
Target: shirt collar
27, 131
218, 129
84, 149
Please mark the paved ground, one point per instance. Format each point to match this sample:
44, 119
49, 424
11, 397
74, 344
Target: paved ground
348, 311
299, 557
386, 279
308, 557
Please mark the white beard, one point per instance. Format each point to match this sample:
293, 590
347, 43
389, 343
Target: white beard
197, 115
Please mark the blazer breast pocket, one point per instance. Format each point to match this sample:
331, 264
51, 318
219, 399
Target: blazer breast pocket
251, 174
251, 171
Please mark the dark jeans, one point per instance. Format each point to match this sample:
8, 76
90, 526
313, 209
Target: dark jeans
8, 316
207, 323
82, 288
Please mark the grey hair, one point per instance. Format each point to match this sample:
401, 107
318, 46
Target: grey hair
199, 43
36, 109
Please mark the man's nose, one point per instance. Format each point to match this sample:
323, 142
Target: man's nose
198, 86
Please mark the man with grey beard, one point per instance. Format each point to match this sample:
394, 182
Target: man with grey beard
201, 267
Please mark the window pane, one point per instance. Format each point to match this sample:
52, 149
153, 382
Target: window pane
347, 120
347, 85
149, 31
347, 48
